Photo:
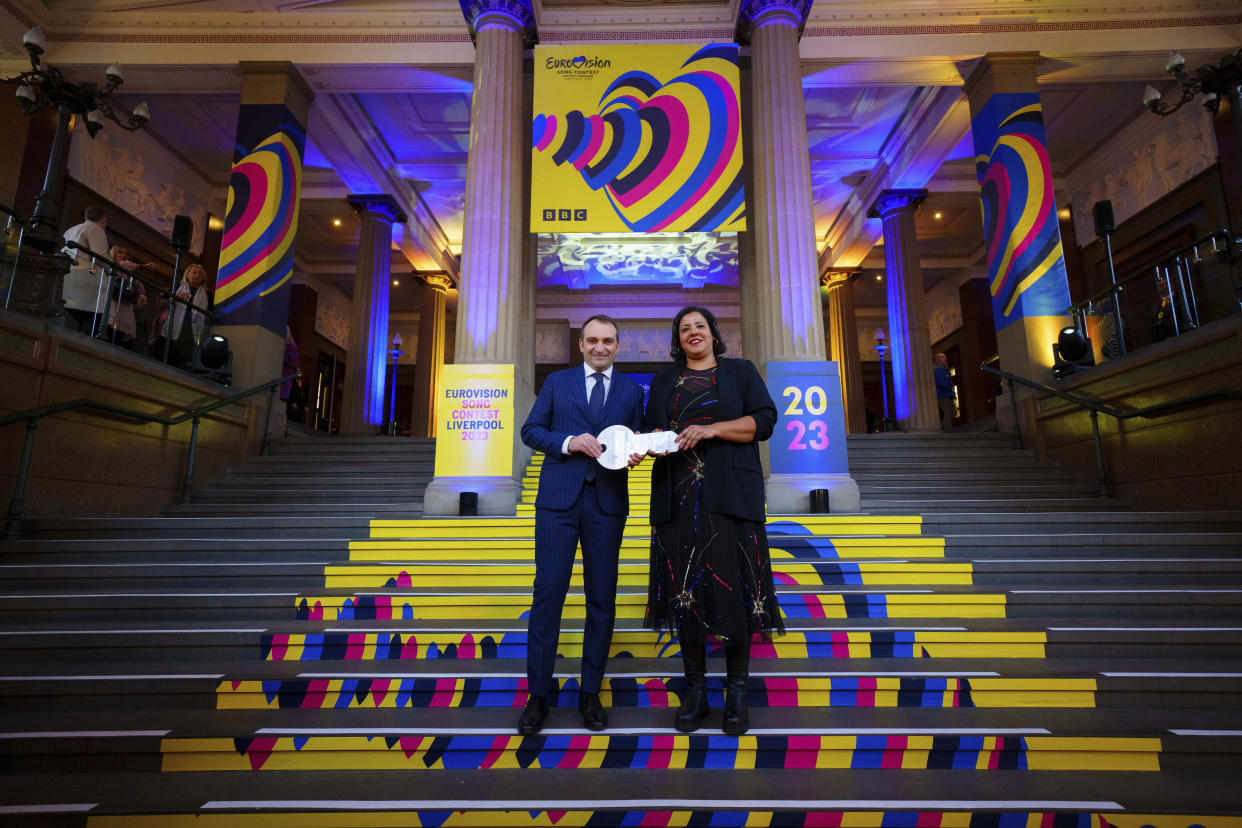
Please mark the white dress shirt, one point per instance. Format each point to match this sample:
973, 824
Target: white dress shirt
82, 289
589, 377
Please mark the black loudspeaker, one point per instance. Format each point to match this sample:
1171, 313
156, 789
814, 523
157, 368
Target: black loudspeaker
183, 231
1103, 213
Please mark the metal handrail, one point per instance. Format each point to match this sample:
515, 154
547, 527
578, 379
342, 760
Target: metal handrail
117, 267
32, 416
1096, 408
1224, 237
113, 268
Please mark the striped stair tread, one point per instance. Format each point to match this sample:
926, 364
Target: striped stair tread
531, 813
505, 527
383, 646
386, 690
638, 547
818, 638
442, 605
786, 572
450, 749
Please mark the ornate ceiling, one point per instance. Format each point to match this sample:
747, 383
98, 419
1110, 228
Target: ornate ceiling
393, 84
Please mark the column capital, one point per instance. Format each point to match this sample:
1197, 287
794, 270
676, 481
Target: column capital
515, 15
837, 278
439, 282
755, 14
378, 206
276, 82
1000, 72
892, 202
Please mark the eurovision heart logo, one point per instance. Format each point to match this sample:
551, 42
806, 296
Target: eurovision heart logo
261, 220
1022, 236
668, 154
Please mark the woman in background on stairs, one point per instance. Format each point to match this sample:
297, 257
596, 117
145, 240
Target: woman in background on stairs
711, 573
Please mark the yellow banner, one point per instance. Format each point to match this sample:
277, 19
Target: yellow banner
475, 414
642, 139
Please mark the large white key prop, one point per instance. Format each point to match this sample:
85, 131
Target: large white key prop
619, 443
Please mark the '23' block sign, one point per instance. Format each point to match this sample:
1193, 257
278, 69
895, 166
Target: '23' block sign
810, 431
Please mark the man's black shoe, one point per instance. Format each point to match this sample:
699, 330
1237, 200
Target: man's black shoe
533, 714
593, 716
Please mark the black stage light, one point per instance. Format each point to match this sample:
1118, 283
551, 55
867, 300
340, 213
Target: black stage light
214, 359
1071, 353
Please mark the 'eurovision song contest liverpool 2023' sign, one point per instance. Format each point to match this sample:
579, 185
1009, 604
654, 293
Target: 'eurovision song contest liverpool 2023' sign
640, 139
474, 413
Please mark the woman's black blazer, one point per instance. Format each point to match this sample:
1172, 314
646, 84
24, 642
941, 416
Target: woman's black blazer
734, 473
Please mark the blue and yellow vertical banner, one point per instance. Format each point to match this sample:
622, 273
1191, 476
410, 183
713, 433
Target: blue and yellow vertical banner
261, 220
637, 138
474, 416
810, 431
1026, 266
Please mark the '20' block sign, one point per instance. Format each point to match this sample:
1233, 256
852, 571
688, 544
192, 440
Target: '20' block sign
810, 432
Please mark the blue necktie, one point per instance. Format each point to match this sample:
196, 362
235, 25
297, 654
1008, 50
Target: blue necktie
596, 403
595, 406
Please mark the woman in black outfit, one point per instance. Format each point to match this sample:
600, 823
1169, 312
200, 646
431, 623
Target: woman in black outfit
710, 569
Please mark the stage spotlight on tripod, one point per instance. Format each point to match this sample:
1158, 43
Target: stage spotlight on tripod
1071, 352
214, 359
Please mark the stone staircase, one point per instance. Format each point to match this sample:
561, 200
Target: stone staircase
316, 475
984, 669
899, 473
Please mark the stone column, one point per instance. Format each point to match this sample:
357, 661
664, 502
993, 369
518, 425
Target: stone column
493, 290
256, 258
914, 385
430, 358
1026, 267
791, 325
366, 365
785, 297
843, 345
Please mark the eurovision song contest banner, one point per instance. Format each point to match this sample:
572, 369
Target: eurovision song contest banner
639, 138
474, 413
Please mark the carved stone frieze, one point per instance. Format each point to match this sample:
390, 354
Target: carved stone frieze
944, 310
142, 178
1144, 162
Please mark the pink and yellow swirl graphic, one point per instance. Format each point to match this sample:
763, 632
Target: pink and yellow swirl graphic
262, 218
1026, 267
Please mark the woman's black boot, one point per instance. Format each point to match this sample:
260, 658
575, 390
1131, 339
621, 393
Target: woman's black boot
737, 709
694, 698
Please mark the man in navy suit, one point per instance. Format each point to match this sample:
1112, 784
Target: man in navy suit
579, 501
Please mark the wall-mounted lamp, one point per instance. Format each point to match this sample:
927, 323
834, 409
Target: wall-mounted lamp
1212, 80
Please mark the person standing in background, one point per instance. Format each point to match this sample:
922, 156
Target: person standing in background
84, 284
129, 296
944, 392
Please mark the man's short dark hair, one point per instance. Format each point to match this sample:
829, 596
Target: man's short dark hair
600, 317
93, 213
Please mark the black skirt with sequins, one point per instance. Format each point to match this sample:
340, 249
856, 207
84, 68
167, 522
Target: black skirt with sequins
711, 573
